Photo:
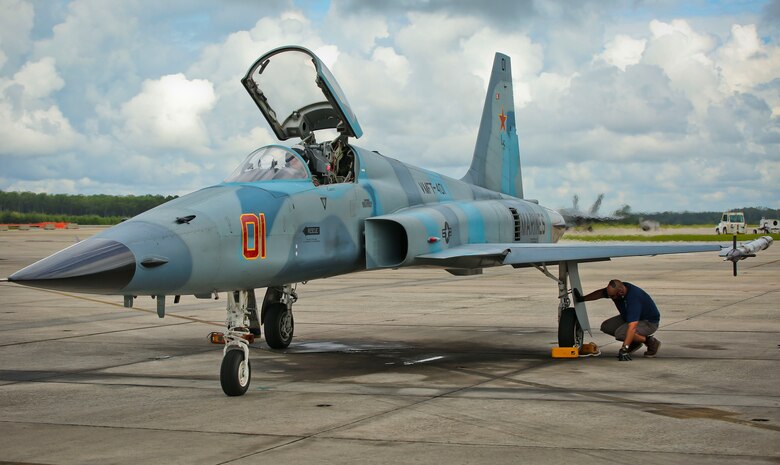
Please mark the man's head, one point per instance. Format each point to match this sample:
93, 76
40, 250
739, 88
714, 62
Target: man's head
616, 289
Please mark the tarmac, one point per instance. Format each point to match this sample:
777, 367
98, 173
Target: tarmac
397, 366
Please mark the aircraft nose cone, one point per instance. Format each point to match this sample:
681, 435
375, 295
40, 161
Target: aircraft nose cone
99, 266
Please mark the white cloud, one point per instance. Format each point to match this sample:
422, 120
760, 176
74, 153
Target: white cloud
623, 51
40, 131
228, 61
745, 61
167, 113
94, 36
39, 79
30, 123
684, 55
16, 22
355, 30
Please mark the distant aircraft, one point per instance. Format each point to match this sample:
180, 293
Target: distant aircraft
576, 218
649, 225
287, 215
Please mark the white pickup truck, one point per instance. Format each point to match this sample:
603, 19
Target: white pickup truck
767, 226
732, 223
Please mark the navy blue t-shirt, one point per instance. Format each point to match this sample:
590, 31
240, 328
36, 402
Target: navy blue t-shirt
637, 305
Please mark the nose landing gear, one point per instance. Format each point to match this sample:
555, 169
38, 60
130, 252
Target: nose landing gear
235, 372
243, 325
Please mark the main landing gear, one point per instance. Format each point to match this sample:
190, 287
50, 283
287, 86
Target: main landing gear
277, 316
572, 320
243, 325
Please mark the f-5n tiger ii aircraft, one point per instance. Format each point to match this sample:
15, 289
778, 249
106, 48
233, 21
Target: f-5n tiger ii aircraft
317, 209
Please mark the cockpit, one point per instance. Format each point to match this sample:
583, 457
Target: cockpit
326, 163
268, 163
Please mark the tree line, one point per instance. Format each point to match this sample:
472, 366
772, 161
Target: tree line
29, 207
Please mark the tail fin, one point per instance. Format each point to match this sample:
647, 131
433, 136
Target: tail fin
496, 162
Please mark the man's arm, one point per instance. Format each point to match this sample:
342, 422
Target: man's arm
630, 332
595, 295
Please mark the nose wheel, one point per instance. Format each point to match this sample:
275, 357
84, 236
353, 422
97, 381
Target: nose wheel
242, 325
235, 373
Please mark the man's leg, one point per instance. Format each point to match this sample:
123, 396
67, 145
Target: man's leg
610, 325
636, 342
647, 329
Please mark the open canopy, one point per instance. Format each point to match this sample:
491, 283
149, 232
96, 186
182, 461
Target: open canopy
297, 94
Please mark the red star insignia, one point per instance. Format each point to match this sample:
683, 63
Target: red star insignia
502, 117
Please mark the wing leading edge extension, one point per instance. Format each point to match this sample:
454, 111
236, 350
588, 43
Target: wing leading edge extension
519, 255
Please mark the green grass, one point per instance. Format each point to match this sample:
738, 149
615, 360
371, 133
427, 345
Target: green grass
610, 225
666, 237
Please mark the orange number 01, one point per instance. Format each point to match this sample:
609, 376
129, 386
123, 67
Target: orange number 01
253, 246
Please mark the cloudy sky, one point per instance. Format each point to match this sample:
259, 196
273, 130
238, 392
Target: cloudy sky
661, 105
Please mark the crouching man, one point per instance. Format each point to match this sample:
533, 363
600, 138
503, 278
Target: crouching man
637, 321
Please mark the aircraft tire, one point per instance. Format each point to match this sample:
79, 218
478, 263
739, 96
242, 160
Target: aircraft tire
234, 376
279, 326
570, 332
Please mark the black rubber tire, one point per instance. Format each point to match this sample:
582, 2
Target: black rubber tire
273, 295
278, 326
234, 383
570, 332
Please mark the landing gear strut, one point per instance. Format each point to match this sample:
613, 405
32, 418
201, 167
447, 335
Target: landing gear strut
572, 320
242, 326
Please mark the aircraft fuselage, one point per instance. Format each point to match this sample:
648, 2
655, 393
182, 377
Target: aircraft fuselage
247, 235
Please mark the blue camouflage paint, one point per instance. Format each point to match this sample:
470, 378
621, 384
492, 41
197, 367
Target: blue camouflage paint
432, 227
408, 184
475, 222
510, 158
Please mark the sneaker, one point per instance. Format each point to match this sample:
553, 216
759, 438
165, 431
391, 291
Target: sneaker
634, 347
653, 344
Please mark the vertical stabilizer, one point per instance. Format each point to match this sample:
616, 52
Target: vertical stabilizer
496, 162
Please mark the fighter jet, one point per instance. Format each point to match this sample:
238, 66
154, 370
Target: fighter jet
290, 214
576, 218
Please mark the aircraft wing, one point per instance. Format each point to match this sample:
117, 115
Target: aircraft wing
518, 255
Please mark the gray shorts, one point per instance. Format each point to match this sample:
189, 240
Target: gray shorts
617, 326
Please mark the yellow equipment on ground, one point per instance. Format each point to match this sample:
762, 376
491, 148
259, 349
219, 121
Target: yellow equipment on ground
587, 350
